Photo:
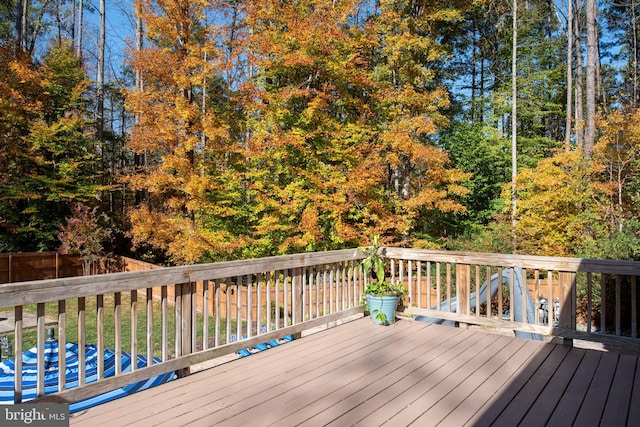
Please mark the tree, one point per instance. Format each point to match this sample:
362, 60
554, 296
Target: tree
618, 150
183, 182
84, 235
341, 114
556, 205
47, 159
479, 150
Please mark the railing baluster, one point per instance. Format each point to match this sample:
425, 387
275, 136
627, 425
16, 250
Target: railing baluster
286, 296
331, 289
117, 318
551, 307
419, 279
525, 290
317, 292
81, 340
205, 314
393, 269
249, 292
149, 300
448, 279
488, 292
17, 353
478, 290
324, 289
277, 305
410, 281
100, 333
429, 290
216, 308
438, 286
500, 296
618, 307
512, 294
343, 286
228, 293
62, 345
134, 329
259, 306
238, 308
40, 337
192, 343
269, 301
634, 311
165, 323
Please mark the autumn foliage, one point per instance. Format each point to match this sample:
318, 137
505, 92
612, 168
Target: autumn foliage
238, 129
323, 142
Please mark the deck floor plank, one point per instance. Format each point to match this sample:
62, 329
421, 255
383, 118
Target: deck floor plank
543, 407
425, 367
428, 375
634, 410
495, 381
615, 412
569, 404
339, 400
524, 398
590, 414
509, 390
353, 376
275, 390
462, 393
245, 378
419, 399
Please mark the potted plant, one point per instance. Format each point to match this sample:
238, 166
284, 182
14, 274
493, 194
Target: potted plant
381, 296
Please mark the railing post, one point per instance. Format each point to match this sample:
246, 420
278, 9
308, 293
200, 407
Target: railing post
297, 291
567, 319
183, 322
463, 289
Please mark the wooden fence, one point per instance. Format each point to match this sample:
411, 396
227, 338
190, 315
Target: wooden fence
22, 267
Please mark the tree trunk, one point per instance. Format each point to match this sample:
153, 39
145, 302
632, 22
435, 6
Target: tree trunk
73, 20
579, 112
567, 132
80, 28
589, 138
514, 123
21, 23
633, 60
100, 80
19, 33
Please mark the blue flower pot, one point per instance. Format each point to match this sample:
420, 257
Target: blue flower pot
382, 309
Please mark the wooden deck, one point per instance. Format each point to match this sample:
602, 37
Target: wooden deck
410, 373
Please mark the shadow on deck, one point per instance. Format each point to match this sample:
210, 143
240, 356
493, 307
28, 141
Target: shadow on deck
407, 373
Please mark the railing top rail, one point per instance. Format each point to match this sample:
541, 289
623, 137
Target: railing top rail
524, 261
12, 294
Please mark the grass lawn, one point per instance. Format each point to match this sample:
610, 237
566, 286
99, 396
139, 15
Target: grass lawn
51, 311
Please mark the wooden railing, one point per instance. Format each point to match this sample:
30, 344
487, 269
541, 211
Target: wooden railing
180, 315
594, 300
183, 316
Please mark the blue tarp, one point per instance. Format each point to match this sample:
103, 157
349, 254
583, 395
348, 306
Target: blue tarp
51, 356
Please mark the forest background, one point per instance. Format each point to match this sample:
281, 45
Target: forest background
193, 131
